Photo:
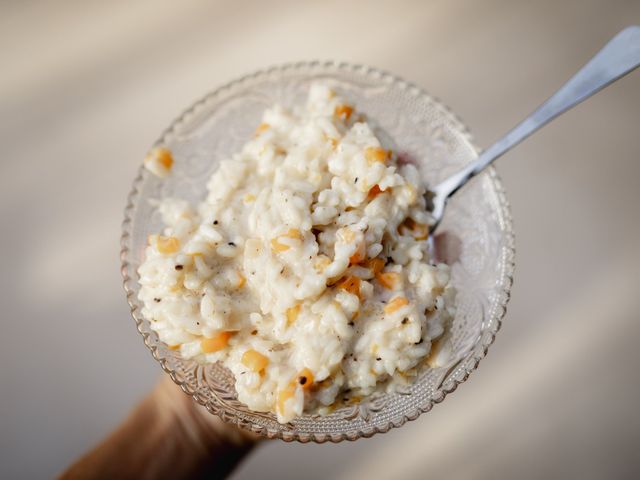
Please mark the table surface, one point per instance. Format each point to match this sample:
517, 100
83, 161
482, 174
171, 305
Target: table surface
86, 87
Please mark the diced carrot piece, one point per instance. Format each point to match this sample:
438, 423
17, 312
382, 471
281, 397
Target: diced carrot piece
375, 265
376, 154
276, 246
292, 314
305, 379
263, 127
374, 192
396, 304
293, 233
254, 361
164, 157
359, 256
343, 111
283, 396
419, 231
351, 284
214, 344
159, 161
167, 245
388, 280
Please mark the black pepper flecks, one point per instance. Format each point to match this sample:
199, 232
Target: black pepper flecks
405, 320
157, 300
231, 244
179, 267
215, 222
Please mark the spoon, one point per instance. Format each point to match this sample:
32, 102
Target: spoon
618, 57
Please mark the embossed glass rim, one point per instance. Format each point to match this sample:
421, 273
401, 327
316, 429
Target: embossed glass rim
455, 377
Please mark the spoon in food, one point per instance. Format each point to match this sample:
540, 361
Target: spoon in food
618, 57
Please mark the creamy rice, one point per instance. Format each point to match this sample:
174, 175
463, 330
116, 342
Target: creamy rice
305, 271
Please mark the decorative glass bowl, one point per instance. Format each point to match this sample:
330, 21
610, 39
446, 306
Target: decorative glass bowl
475, 236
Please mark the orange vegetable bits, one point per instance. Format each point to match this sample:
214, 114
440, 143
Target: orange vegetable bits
343, 111
283, 396
359, 256
292, 314
254, 361
396, 304
419, 231
376, 154
159, 161
351, 284
278, 246
263, 127
167, 245
164, 157
305, 379
374, 192
215, 344
293, 233
241, 281
389, 280
375, 265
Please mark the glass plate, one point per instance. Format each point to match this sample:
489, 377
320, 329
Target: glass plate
475, 237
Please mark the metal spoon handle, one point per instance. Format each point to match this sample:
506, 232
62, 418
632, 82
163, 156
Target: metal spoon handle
618, 57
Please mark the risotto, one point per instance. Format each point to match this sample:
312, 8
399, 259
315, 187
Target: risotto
305, 270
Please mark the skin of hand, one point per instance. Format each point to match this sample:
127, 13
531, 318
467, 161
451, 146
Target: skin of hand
168, 435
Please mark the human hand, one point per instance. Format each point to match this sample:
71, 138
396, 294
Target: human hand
168, 435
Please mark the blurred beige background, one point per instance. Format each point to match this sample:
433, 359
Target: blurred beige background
86, 87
